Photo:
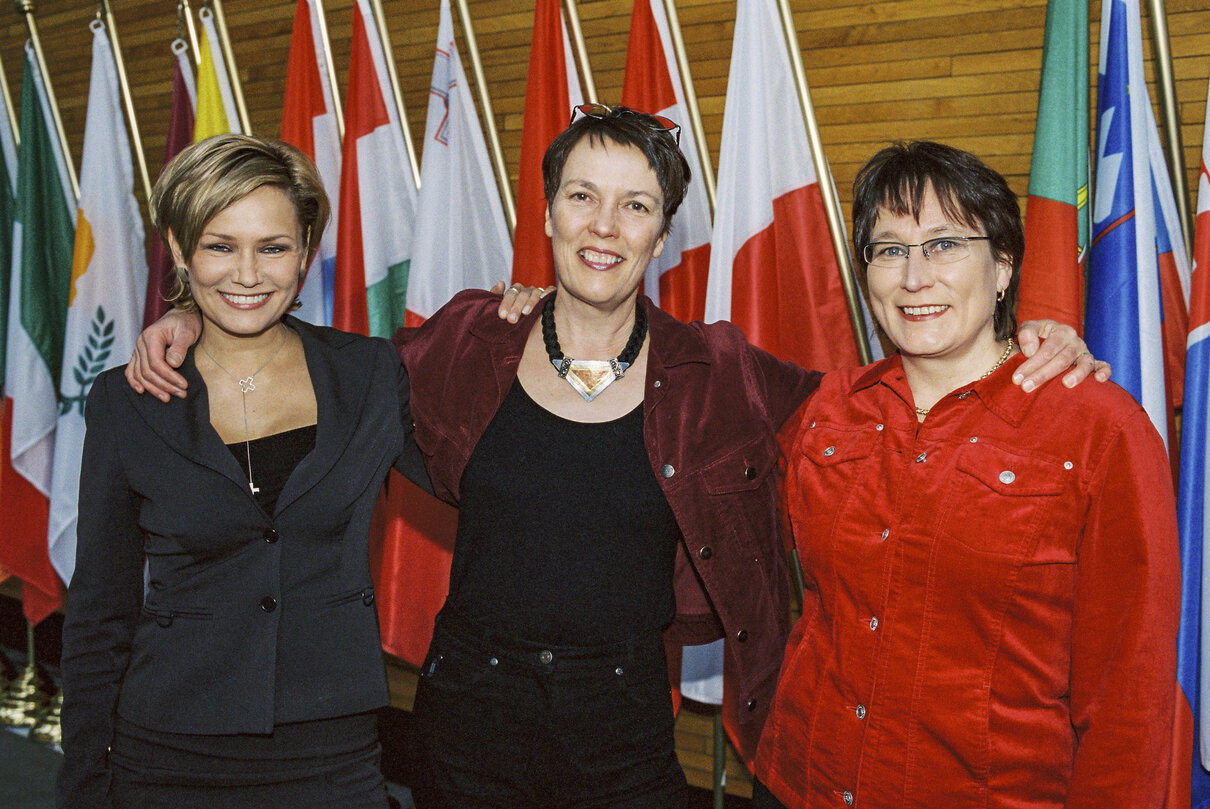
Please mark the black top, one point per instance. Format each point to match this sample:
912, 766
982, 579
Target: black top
564, 535
273, 459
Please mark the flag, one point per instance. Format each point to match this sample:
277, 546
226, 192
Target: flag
180, 135
773, 271
41, 275
553, 90
216, 112
108, 276
1173, 261
676, 280
461, 241
377, 194
1192, 727
1125, 314
1056, 212
308, 121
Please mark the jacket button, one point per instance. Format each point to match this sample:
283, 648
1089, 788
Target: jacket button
706, 552
270, 535
367, 597
750, 473
667, 470
268, 603
751, 705
848, 798
164, 620
741, 635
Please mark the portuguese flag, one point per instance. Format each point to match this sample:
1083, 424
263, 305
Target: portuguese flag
1056, 214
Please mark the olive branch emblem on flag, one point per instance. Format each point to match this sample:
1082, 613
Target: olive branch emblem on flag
90, 362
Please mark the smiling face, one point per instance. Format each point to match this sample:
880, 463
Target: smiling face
248, 263
932, 310
605, 222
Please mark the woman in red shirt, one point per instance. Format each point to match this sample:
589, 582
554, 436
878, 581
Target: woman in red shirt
993, 578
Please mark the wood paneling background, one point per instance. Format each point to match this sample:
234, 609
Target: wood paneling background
964, 72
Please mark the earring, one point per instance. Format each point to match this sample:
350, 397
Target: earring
1000, 294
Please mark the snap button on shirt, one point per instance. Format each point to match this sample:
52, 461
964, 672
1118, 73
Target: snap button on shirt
848, 798
545, 656
1007, 476
667, 470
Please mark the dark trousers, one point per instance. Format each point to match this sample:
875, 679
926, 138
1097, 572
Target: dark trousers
505, 723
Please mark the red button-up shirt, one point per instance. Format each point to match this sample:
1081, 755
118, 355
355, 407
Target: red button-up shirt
712, 406
992, 600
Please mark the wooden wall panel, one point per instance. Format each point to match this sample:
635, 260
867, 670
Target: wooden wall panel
964, 71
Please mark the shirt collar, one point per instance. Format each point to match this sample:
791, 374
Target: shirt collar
997, 392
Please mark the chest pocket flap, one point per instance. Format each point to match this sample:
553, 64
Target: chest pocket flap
742, 469
826, 448
1012, 475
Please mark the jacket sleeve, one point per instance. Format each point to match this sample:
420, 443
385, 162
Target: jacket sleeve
103, 603
1127, 606
785, 385
410, 462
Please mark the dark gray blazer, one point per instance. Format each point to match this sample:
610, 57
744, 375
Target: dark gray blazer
249, 619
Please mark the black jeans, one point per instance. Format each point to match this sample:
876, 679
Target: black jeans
505, 723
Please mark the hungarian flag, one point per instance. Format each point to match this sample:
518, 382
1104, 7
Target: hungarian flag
676, 280
41, 276
377, 194
216, 110
308, 121
1192, 727
1056, 212
108, 276
180, 135
773, 271
456, 186
1127, 310
552, 92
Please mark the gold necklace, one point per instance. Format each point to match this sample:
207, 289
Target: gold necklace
1008, 349
246, 386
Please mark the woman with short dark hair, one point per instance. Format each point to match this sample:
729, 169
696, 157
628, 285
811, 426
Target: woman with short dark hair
992, 577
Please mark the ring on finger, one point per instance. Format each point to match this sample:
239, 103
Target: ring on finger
514, 290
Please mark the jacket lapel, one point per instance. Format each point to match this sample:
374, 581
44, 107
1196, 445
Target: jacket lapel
340, 377
184, 425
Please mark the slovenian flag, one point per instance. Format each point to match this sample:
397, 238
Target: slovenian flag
308, 121
676, 280
1125, 316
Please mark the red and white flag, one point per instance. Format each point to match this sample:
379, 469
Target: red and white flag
461, 242
377, 194
677, 279
552, 92
308, 121
772, 268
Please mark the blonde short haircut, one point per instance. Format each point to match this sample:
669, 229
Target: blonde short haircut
215, 173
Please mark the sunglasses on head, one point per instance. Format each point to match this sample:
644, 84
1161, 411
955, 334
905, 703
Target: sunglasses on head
602, 111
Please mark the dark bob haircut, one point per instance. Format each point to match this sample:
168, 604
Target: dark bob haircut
897, 179
629, 128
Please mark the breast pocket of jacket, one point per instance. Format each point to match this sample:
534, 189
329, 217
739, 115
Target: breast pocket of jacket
998, 501
741, 484
841, 485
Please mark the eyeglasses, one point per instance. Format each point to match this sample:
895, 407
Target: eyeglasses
942, 250
603, 111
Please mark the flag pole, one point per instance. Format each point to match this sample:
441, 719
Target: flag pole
8, 106
127, 100
824, 178
185, 30
581, 50
695, 114
389, 55
1172, 122
493, 134
327, 44
237, 87
26, 8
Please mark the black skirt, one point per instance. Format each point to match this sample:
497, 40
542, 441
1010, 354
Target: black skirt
301, 765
